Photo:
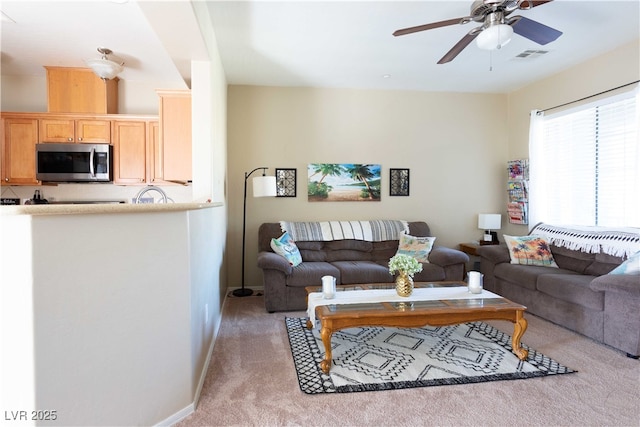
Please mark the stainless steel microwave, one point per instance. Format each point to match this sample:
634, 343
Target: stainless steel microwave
74, 162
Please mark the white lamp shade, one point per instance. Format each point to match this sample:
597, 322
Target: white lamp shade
494, 37
489, 221
104, 68
264, 186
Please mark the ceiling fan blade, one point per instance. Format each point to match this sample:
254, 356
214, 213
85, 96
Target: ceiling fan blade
459, 47
533, 30
431, 26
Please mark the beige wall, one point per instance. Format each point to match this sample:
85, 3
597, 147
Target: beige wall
29, 94
454, 144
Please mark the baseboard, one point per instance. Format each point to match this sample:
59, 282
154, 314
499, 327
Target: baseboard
190, 409
178, 416
203, 374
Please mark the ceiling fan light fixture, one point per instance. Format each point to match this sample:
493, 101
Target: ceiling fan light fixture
103, 67
494, 37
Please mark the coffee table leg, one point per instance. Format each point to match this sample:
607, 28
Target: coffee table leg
325, 334
519, 328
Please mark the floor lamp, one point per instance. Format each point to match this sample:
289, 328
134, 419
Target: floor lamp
263, 186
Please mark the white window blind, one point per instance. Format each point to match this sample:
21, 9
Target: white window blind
588, 163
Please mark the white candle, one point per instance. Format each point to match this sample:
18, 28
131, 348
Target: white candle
475, 282
328, 287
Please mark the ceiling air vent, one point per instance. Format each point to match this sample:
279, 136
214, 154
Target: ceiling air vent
531, 53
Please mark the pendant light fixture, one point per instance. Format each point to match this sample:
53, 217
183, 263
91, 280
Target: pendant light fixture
103, 67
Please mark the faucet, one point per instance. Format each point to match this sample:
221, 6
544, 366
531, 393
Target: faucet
150, 188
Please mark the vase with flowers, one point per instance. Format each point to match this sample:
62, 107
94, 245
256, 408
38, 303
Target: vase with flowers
406, 266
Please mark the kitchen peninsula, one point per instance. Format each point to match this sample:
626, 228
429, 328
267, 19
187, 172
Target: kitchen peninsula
106, 308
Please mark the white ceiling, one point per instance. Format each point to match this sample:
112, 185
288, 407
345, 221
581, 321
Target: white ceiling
344, 44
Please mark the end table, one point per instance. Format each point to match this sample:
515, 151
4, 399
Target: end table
471, 249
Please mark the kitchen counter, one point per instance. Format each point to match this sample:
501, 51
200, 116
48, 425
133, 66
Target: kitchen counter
94, 293
107, 208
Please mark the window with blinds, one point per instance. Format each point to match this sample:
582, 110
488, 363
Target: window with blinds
589, 164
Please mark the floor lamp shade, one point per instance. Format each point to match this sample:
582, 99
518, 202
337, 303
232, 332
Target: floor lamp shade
264, 186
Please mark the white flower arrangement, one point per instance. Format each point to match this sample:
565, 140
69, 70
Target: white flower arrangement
404, 263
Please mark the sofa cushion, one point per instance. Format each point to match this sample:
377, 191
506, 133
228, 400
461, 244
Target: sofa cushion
631, 266
310, 274
285, 247
415, 246
312, 251
529, 250
419, 228
383, 251
313, 256
430, 273
362, 272
525, 276
348, 244
603, 264
348, 255
266, 232
573, 288
310, 246
570, 259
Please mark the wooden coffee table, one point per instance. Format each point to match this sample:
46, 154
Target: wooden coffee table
414, 314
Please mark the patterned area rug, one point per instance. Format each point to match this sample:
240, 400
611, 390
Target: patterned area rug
376, 358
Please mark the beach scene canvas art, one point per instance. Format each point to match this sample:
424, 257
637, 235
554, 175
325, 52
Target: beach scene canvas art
334, 182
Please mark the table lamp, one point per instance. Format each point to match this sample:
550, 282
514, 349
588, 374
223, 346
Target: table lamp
488, 222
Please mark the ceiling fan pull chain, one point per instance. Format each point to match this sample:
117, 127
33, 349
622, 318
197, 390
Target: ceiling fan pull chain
490, 60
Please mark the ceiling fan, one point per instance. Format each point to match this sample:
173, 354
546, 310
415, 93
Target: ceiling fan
496, 28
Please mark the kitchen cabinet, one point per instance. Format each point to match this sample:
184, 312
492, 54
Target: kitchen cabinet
130, 147
19, 151
155, 153
138, 155
79, 90
173, 154
63, 130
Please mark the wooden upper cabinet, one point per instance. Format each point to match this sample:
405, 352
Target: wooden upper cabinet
93, 131
130, 152
174, 146
72, 131
57, 130
19, 151
79, 90
155, 152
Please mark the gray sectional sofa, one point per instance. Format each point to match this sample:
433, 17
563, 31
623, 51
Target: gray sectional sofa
579, 295
349, 261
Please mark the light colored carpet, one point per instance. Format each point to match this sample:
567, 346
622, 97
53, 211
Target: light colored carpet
252, 382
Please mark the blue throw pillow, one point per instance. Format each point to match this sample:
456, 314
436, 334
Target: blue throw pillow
286, 247
631, 266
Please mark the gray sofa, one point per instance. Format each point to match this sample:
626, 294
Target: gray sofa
349, 261
578, 295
